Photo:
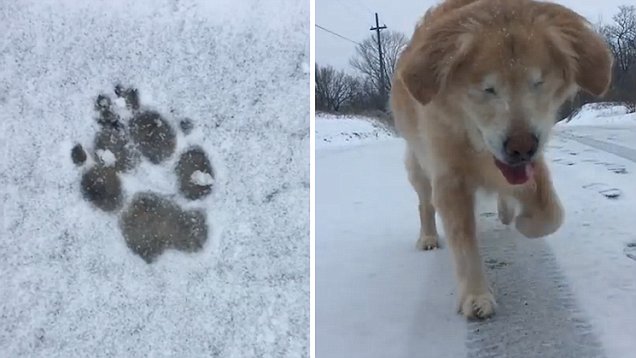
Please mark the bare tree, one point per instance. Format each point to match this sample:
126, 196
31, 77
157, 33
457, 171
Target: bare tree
366, 59
333, 88
621, 37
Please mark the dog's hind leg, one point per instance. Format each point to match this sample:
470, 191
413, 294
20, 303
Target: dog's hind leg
428, 239
505, 209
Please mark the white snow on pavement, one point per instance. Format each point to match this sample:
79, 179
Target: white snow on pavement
598, 114
336, 131
69, 286
107, 157
590, 245
376, 296
202, 179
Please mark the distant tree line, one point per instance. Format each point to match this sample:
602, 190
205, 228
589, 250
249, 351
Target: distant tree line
362, 93
621, 37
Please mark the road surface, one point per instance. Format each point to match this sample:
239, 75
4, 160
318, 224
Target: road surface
567, 295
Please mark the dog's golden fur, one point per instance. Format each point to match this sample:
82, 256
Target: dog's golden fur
476, 73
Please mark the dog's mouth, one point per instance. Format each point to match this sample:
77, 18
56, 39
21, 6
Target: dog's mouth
516, 174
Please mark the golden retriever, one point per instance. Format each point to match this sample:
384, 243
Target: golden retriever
475, 95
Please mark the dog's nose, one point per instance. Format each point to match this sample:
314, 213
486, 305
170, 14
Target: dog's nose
521, 147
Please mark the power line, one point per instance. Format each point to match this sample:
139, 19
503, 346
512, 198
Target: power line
337, 34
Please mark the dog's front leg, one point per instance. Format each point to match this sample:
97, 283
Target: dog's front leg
541, 210
455, 202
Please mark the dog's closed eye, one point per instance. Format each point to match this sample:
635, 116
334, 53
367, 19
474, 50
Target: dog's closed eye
490, 91
537, 84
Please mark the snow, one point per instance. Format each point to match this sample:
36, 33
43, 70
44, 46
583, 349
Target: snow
202, 179
120, 102
336, 131
377, 296
106, 156
598, 114
590, 246
69, 285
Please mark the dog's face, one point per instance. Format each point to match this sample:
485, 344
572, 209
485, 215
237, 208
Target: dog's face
510, 89
508, 66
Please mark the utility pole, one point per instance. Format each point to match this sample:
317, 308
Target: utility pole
377, 30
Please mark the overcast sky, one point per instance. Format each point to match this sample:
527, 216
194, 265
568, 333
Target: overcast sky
353, 18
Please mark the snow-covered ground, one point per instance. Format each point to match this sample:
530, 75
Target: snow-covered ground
69, 285
569, 295
337, 131
599, 114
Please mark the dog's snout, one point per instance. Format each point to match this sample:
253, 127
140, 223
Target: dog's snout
521, 147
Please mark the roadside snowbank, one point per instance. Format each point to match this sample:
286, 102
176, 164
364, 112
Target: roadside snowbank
333, 131
599, 114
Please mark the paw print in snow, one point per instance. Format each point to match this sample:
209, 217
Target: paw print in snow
150, 222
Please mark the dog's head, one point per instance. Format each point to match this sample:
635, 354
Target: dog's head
508, 66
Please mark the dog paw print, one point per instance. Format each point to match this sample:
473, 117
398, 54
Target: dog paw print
630, 250
605, 190
614, 168
128, 135
561, 161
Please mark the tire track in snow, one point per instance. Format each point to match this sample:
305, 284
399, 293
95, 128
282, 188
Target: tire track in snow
537, 315
619, 150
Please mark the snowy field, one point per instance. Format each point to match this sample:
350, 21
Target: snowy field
607, 123
602, 114
69, 285
341, 131
569, 295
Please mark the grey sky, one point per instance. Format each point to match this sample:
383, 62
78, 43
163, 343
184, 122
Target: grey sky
353, 18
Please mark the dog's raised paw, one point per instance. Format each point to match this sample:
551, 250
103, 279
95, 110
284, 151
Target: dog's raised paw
534, 227
427, 242
540, 222
477, 306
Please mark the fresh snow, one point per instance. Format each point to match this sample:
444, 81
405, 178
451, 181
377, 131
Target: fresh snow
336, 131
598, 114
202, 179
107, 157
69, 286
377, 296
120, 102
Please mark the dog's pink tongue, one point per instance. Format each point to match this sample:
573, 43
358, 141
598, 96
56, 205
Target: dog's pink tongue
515, 175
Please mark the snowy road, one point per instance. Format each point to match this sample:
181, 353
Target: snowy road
608, 139
564, 296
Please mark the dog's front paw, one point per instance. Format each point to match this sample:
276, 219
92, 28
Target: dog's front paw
477, 305
427, 242
541, 223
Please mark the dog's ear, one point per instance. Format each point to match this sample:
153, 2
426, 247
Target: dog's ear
585, 55
428, 64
